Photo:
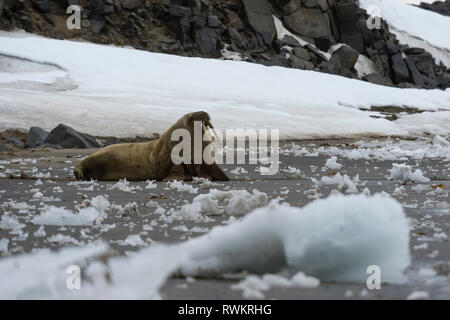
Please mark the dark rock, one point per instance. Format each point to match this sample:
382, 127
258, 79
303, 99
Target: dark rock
309, 22
108, 9
130, 4
333, 65
208, 40
234, 20
377, 78
424, 63
416, 77
390, 47
291, 6
97, 25
199, 21
67, 137
322, 4
441, 7
290, 41
299, 63
42, 6
399, 69
3, 148
323, 43
27, 24
347, 56
36, 136
15, 141
259, 15
179, 11
346, 11
213, 22
414, 51
301, 53
352, 36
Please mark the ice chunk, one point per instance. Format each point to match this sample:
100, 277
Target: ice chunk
332, 164
402, 171
332, 239
63, 217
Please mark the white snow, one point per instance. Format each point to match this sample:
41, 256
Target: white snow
62, 239
402, 171
4, 245
418, 295
233, 202
344, 183
134, 240
332, 239
9, 222
253, 286
332, 163
181, 186
57, 216
124, 185
150, 90
416, 23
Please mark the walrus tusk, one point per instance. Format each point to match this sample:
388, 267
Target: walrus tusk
149, 160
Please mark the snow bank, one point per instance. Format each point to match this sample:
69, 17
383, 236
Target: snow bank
416, 23
149, 91
333, 239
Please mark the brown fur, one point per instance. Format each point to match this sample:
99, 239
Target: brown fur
149, 160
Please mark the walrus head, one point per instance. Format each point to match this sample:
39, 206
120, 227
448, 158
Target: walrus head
203, 170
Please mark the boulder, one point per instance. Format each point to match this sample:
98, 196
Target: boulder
15, 141
390, 47
301, 52
309, 23
351, 35
416, 77
346, 11
234, 20
291, 6
399, 69
42, 6
36, 136
130, 4
213, 22
299, 63
259, 15
347, 56
67, 137
208, 40
424, 63
322, 4
377, 78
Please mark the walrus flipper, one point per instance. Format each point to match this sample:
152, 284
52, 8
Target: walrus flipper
177, 172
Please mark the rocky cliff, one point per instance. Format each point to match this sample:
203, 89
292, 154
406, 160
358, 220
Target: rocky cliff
303, 34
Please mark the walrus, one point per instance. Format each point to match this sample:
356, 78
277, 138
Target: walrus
150, 160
